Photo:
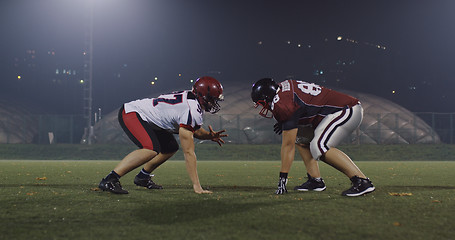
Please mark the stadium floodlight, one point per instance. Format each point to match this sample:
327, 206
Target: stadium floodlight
89, 134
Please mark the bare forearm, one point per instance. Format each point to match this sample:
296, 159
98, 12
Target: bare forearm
186, 140
287, 157
191, 168
202, 134
288, 149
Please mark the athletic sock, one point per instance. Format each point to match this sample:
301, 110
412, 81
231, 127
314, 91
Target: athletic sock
311, 177
112, 175
143, 174
283, 175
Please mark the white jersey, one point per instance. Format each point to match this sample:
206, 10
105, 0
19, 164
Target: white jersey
169, 111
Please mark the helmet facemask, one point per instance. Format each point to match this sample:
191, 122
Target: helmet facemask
265, 109
211, 104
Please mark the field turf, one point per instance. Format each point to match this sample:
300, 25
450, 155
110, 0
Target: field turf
60, 200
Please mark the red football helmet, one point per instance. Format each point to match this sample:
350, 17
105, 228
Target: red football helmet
208, 92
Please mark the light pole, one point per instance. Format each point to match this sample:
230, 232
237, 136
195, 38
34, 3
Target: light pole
88, 78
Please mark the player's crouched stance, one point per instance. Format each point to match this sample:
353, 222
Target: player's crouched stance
315, 119
150, 123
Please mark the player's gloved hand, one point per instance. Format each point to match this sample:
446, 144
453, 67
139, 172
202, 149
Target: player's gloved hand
278, 128
282, 186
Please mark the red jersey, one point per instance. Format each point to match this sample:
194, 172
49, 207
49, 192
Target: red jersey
302, 103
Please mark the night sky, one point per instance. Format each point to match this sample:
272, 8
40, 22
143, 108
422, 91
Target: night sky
235, 41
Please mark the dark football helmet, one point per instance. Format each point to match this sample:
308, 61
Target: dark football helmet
262, 94
208, 92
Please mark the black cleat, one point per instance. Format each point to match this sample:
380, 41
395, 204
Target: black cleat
360, 186
146, 182
312, 184
112, 185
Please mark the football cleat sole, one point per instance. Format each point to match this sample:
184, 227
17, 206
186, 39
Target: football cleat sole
368, 190
308, 190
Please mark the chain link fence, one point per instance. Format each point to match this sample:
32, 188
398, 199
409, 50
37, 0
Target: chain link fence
378, 128
442, 123
41, 129
387, 128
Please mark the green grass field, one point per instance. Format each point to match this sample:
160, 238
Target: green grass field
59, 200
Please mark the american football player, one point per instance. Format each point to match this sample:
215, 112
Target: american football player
151, 122
315, 119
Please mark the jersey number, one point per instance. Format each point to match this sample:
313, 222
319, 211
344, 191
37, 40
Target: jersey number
177, 99
309, 88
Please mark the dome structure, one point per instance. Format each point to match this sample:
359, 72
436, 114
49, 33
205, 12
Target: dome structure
384, 122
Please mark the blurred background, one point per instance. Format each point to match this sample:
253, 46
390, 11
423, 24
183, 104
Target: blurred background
66, 65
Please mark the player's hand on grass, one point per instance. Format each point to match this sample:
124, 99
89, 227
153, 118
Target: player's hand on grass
204, 192
282, 186
199, 190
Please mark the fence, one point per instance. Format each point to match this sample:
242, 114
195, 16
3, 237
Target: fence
387, 128
64, 128
39, 128
376, 128
442, 123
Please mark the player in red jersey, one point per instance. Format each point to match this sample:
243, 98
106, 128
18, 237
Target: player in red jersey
315, 119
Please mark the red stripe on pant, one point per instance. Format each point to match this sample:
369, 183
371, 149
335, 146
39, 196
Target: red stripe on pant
135, 127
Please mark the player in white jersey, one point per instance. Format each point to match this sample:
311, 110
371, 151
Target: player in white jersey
151, 122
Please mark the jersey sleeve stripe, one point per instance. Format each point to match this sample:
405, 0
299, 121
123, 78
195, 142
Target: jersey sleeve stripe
187, 127
189, 121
